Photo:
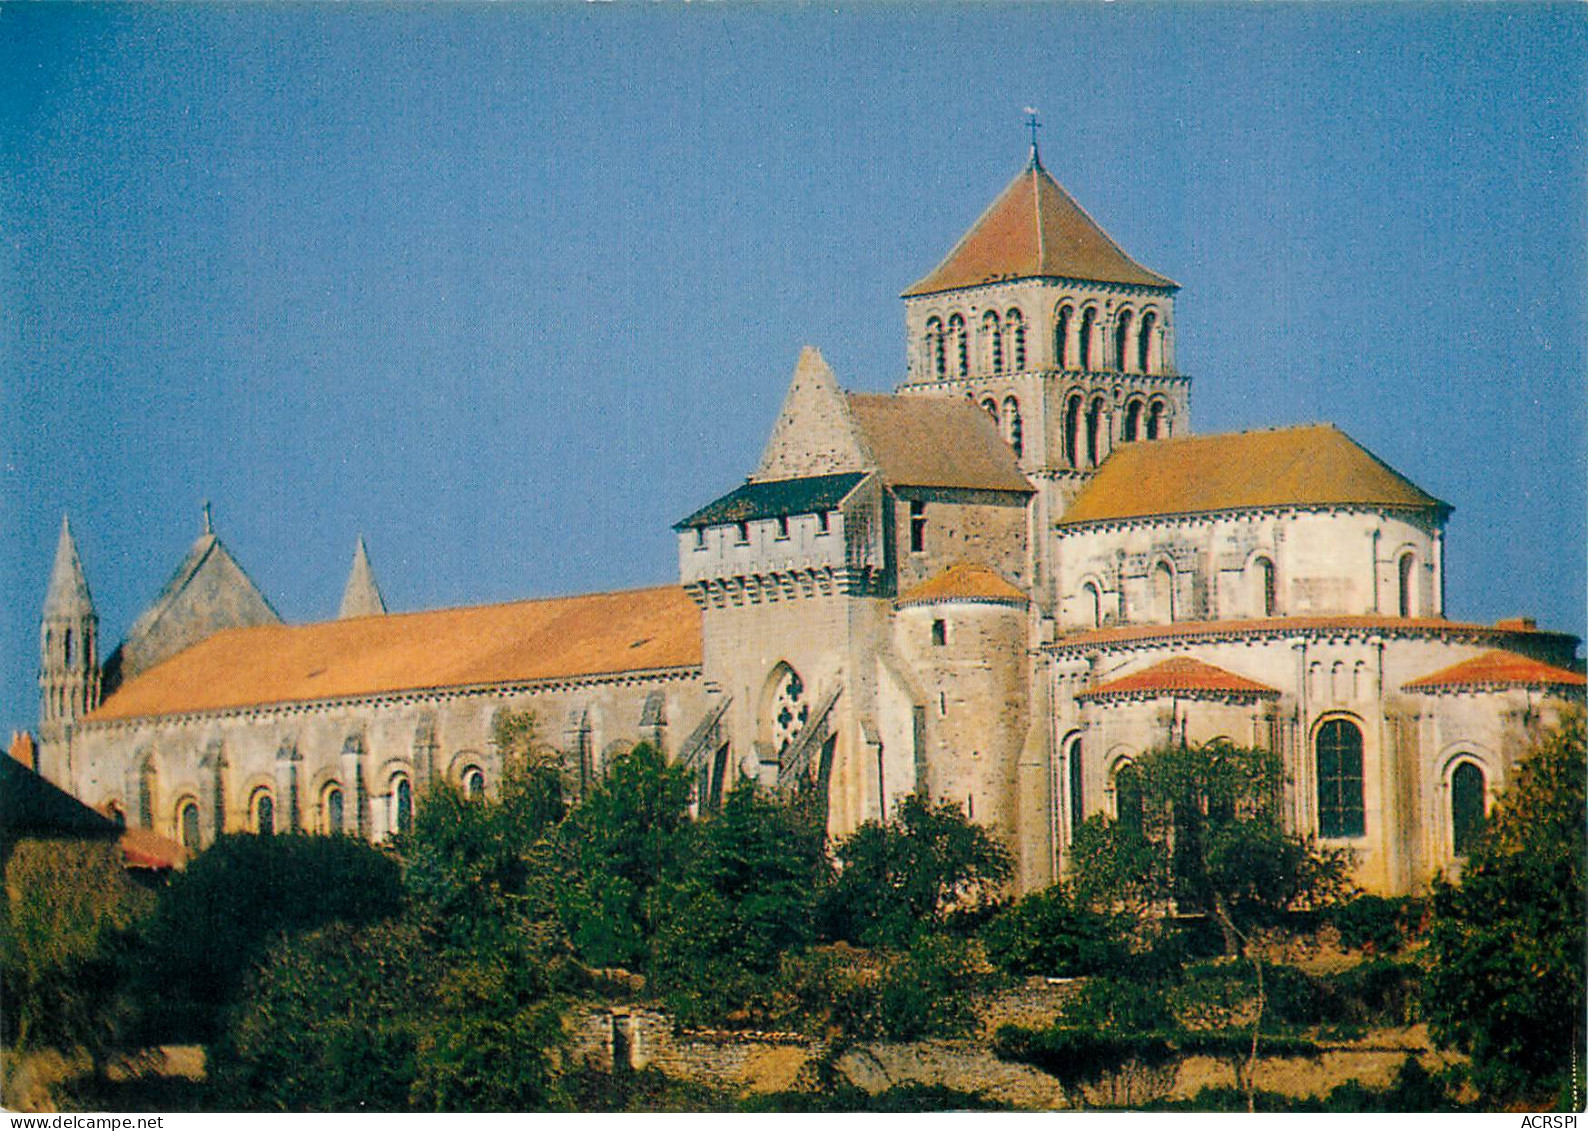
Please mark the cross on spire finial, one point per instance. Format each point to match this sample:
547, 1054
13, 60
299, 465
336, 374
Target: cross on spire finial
208, 529
1033, 123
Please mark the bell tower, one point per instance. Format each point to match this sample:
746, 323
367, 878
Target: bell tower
68, 644
1041, 319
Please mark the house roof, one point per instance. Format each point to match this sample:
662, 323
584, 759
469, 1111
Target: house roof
919, 441
1311, 465
769, 499
1497, 668
141, 848
31, 806
1179, 675
964, 582
523, 642
1034, 229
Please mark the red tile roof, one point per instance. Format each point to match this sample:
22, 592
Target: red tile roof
920, 441
964, 582
1180, 675
1497, 668
141, 848
1312, 465
524, 642
1280, 626
1035, 230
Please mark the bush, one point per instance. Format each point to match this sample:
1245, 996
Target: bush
1376, 925
1049, 933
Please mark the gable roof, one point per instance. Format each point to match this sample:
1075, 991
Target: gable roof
1498, 668
1311, 465
964, 582
483, 645
752, 501
1034, 229
1179, 675
928, 441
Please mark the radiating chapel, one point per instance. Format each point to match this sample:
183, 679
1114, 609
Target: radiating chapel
998, 585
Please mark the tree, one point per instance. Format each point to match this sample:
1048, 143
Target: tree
1505, 953
739, 893
614, 848
1205, 834
898, 877
1050, 932
68, 906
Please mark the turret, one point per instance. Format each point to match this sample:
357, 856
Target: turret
68, 642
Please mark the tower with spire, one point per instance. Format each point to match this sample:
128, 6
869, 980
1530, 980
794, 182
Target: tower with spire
361, 597
68, 642
1038, 316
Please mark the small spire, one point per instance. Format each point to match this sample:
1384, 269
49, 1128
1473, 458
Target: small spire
362, 596
1033, 123
209, 528
67, 595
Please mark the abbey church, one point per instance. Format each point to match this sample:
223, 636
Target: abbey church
998, 585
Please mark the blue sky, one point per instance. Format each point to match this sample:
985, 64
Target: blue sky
509, 289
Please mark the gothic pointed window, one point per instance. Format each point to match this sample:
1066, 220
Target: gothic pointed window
1339, 755
787, 708
1466, 807
1013, 431
1015, 324
1149, 323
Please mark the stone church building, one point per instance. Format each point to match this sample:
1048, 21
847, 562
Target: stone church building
998, 585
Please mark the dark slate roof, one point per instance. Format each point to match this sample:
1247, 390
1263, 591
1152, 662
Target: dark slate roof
810, 495
31, 806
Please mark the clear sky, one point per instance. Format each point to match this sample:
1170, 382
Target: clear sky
510, 289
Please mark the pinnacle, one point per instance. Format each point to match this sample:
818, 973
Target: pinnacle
67, 595
361, 597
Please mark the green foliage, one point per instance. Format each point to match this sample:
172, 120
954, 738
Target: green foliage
67, 910
217, 918
1049, 932
1505, 947
1134, 1066
848, 1098
740, 892
850, 995
1211, 838
1375, 924
614, 849
898, 877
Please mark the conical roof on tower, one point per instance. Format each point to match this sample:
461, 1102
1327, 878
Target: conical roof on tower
67, 595
361, 597
1035, 230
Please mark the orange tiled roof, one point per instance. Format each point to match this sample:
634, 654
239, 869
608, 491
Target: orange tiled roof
1497, 668
1035, 230
566, 637
141, 848
24, 750
935, 442
1179, 675
1313, 465
1194, 629
964, 582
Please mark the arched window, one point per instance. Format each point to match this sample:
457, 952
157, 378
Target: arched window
786, 709
1122, 342
1155, 421
1061, 336
1405, 571
146, 795
1015, 323
1072, 757
1339, 753
1072, 432
956, 331
934, 345
474, 783
187, 823
1149, 322
1088, 322
1092, 604
1012, 429
263, 808
1094, 433
1128, 807
402, 806
990, 407
992, 334
66, 646
1263, 583
334, 810
1466, 807
1132, 429
1163, 593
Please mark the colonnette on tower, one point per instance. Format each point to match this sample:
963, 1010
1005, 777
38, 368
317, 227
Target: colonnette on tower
998, 586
